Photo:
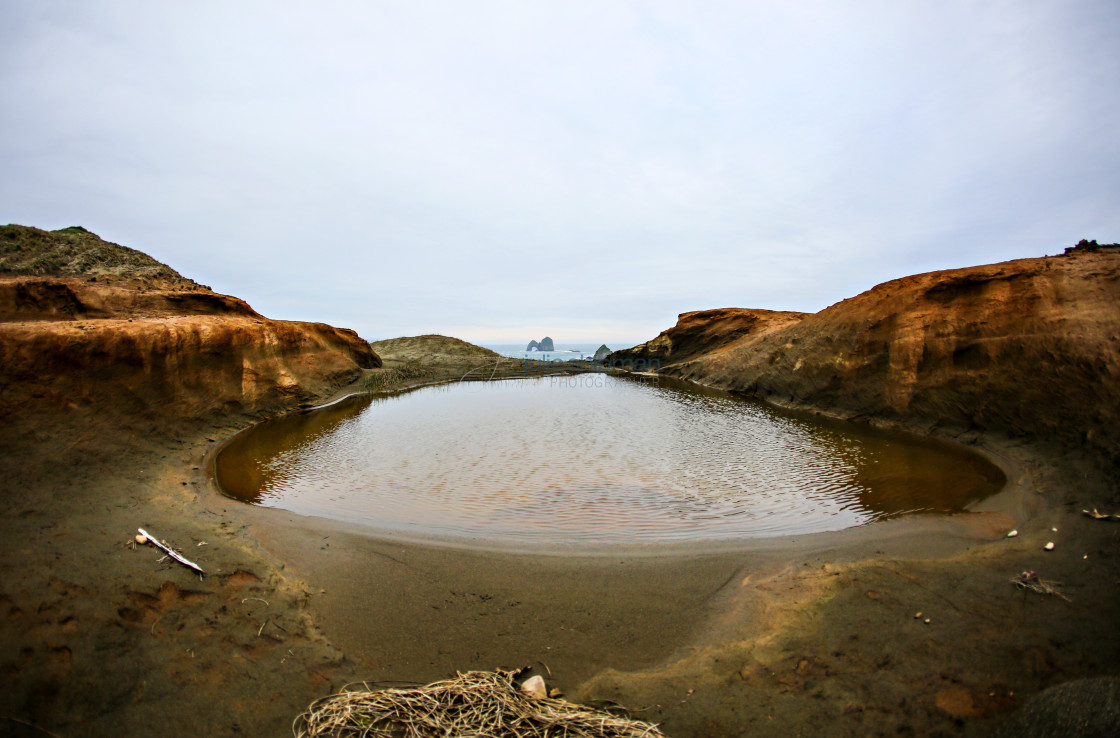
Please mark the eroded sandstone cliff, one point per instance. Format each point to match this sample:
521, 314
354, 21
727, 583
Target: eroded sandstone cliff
92, 329
1024, 349
704, 332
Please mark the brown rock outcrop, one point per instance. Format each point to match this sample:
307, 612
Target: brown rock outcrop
1025, 349
25, 299
118, 346
707, 332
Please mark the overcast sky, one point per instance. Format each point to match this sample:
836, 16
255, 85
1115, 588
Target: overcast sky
500, 171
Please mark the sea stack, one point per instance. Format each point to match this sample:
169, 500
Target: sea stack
602, 353
546, 344
533, 346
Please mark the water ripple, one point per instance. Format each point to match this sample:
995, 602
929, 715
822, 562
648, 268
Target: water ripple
592, 460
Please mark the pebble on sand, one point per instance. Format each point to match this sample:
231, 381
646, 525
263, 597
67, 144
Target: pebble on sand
534, 687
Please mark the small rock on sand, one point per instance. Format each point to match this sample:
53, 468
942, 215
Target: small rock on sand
534, 687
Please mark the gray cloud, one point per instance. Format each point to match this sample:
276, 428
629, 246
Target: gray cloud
586, 170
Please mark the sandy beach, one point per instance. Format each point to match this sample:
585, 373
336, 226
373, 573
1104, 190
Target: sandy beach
120, 392
816, 635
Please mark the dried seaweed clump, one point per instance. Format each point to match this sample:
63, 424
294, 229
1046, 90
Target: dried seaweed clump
1031, 582
477, 703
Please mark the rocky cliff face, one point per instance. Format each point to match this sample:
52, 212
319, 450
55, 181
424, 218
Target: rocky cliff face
122, 346
707, 332
26, 299
1027, 348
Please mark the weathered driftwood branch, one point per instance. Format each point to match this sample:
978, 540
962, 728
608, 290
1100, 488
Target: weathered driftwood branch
170, 551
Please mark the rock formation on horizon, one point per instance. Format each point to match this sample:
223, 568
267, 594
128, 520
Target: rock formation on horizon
533, 346
602, 353
546, 344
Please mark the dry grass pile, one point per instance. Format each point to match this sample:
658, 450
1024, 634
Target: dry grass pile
477, 703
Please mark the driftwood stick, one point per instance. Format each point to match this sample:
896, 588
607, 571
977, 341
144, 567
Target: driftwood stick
170, 551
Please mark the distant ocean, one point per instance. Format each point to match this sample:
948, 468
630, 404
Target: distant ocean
562, 352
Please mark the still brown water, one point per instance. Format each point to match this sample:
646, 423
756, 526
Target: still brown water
592, 460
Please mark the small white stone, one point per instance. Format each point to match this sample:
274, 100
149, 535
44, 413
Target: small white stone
926, 621
1013, 533
534, 687
1049, 546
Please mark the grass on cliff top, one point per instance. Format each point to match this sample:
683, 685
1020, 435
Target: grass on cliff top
74, 251
432, 349
411, 360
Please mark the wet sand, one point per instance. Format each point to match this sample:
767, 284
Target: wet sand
810, 636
